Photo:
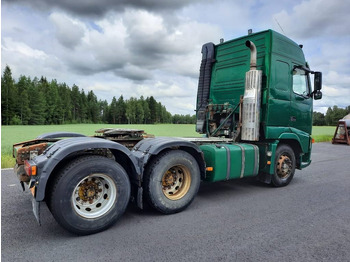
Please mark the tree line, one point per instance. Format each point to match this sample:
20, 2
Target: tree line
332, 116
42, 102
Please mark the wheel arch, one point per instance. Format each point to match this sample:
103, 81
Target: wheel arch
63, 151
146, 150
294, 144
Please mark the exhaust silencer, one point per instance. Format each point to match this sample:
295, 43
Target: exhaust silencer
251, 99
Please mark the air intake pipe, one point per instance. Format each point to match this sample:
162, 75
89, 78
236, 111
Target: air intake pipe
252, 48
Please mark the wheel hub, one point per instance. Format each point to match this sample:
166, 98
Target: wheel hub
176, 182
90, 190
284, 167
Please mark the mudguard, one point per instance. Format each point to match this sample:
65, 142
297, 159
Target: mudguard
59, 134
146, 148
54, 154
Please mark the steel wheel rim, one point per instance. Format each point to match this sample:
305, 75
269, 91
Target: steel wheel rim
284, 167
94, 196
176, 182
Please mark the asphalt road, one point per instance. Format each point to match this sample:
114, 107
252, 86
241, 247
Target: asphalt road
243, 220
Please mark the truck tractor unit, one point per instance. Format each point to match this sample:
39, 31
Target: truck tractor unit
254, 111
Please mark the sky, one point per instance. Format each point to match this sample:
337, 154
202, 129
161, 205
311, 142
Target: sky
153, 47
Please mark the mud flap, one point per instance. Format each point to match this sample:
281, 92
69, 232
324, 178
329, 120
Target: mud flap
264, 177
140, 198
36, 210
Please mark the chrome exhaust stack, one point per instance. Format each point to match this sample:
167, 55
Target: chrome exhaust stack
253, 52
252, 98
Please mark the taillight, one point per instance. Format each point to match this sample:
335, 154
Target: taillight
29, 168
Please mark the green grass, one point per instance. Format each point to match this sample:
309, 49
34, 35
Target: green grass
323, 133
14, 134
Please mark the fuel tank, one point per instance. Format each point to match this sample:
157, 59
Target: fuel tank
230, 161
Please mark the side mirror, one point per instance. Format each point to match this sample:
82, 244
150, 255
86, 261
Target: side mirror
317, 81
317, 95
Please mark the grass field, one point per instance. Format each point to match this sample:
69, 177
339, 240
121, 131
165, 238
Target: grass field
14, 134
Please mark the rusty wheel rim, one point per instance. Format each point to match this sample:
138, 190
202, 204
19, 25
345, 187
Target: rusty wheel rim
284, 166
176, 182
94, 196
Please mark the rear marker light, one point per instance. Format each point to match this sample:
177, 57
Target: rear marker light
30, 169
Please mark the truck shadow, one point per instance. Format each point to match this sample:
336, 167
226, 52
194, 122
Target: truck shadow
206, 190
231, 186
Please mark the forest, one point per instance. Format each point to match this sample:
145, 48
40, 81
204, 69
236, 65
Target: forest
332, 116
42, 102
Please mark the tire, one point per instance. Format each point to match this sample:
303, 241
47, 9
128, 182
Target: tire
172, 181
284, 166
89, 194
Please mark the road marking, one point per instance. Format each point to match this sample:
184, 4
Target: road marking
12, 185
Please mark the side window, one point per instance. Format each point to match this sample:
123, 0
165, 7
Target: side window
300, 82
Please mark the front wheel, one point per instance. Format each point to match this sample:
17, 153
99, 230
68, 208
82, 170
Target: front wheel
89, 194
284, 166
172, 181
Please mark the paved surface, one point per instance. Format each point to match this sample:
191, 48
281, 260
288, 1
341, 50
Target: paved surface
229, 221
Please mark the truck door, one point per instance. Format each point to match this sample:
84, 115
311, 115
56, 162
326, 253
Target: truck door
301, 101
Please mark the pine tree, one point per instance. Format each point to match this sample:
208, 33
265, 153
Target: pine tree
113, 111
153, 109
26, 112
23, 85
52, 106
93, 109
104, 111
83, 107
75, 98
146, 111
38, 108
8, 96
121, 110
130, 111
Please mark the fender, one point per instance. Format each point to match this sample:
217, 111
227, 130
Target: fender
54, 154
146, 148
59, 134
301, 137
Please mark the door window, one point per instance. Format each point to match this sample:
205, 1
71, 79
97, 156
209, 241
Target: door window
300, 82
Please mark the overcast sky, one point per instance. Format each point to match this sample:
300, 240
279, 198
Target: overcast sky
153, 47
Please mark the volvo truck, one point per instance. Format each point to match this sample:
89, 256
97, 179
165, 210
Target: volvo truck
254, 111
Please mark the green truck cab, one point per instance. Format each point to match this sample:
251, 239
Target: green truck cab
282, 110
254, 109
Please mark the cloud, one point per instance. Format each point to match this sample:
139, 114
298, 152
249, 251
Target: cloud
132, 45
151, 47
322, 26
134, 72
101, 7
316, 18
69, 32
33, 62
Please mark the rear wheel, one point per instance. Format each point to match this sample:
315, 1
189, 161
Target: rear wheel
89, 194
284, 166
172, 181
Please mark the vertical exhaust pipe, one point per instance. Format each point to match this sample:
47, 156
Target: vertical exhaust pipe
252, 48
251, 99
